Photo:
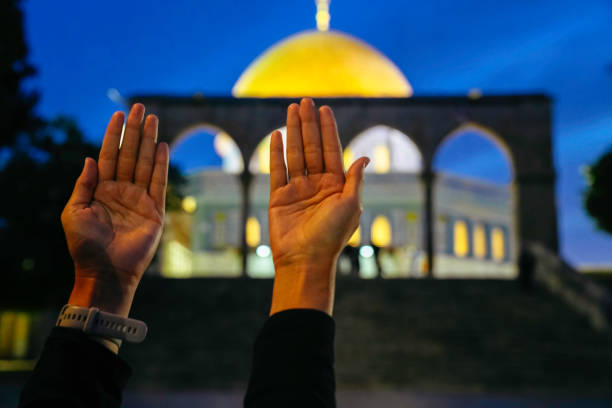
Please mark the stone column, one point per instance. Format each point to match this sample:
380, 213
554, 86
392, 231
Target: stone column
246, 179
428, 176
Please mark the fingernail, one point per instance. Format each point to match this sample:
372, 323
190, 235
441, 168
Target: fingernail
365, 164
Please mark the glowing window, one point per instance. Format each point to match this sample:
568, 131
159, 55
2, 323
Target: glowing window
263, 155
347, 158
260, 160
381, 231
382, 159
480, 242
498, 248
253, 232
391, 151
460, 239
355, 239
14, 334
411, 216
189, 204
177, 260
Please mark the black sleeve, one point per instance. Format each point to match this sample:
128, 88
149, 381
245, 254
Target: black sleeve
75, 371
293, 362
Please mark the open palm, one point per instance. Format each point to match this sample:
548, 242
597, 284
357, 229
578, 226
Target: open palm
313, 214
113, 220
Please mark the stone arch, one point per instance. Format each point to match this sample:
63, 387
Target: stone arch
394, 190
206, 239
483, 131
398, 143
231, 143
523, 122
461, 198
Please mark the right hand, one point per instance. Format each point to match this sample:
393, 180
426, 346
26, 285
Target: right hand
313, 214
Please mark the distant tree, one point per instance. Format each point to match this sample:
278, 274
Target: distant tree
36, 183
39, 164
16, 116
598, 195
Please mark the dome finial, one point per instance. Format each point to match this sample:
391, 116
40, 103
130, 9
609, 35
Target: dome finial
322, 16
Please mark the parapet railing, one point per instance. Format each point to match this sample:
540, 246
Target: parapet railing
578, 291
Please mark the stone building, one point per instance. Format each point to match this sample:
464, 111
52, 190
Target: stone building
425, 222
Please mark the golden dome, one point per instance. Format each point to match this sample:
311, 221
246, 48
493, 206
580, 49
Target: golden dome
322, 64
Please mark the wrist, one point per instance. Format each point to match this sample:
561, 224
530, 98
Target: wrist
108, 296
309, 285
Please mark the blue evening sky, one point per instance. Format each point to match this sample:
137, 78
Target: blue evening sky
561, 48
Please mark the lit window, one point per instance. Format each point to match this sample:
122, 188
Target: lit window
381, 231
253, 232
219, 240
382, 159
412, 216
189, 204
480, 242
460, 239
177, 261
347, 158
14, 334
263, 155
355, 239
498, 247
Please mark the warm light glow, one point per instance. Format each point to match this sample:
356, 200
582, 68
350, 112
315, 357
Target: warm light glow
253, 232
318, 64
460, 238
189, 204
480, 242
7, 319
382, 159
347, 158
263, 155
498, 250
14, 334
411, 216
21, 337
177, 260
381, 231
323, 16
355, 239
260, 160
390, 150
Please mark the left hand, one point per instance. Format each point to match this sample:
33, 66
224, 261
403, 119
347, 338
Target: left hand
114, 218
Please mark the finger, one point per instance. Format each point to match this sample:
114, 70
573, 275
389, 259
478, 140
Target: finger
129, 146
278, 170
332, 149
146, 153
85, 185
354, 178
107, 161
295, 150
159, 178
311, 137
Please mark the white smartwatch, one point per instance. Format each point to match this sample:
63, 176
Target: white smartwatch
97, 323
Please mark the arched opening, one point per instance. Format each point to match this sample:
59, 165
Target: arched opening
390, 232
474, 206
202, 236
259, 261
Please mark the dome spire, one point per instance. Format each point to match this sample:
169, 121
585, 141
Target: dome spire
322, 16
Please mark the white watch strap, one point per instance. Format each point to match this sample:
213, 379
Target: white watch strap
94, 321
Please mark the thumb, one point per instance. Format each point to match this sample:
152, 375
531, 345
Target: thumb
85, 185
354, 178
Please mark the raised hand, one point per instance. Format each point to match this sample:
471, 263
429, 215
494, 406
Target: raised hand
114, 218
313, 214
